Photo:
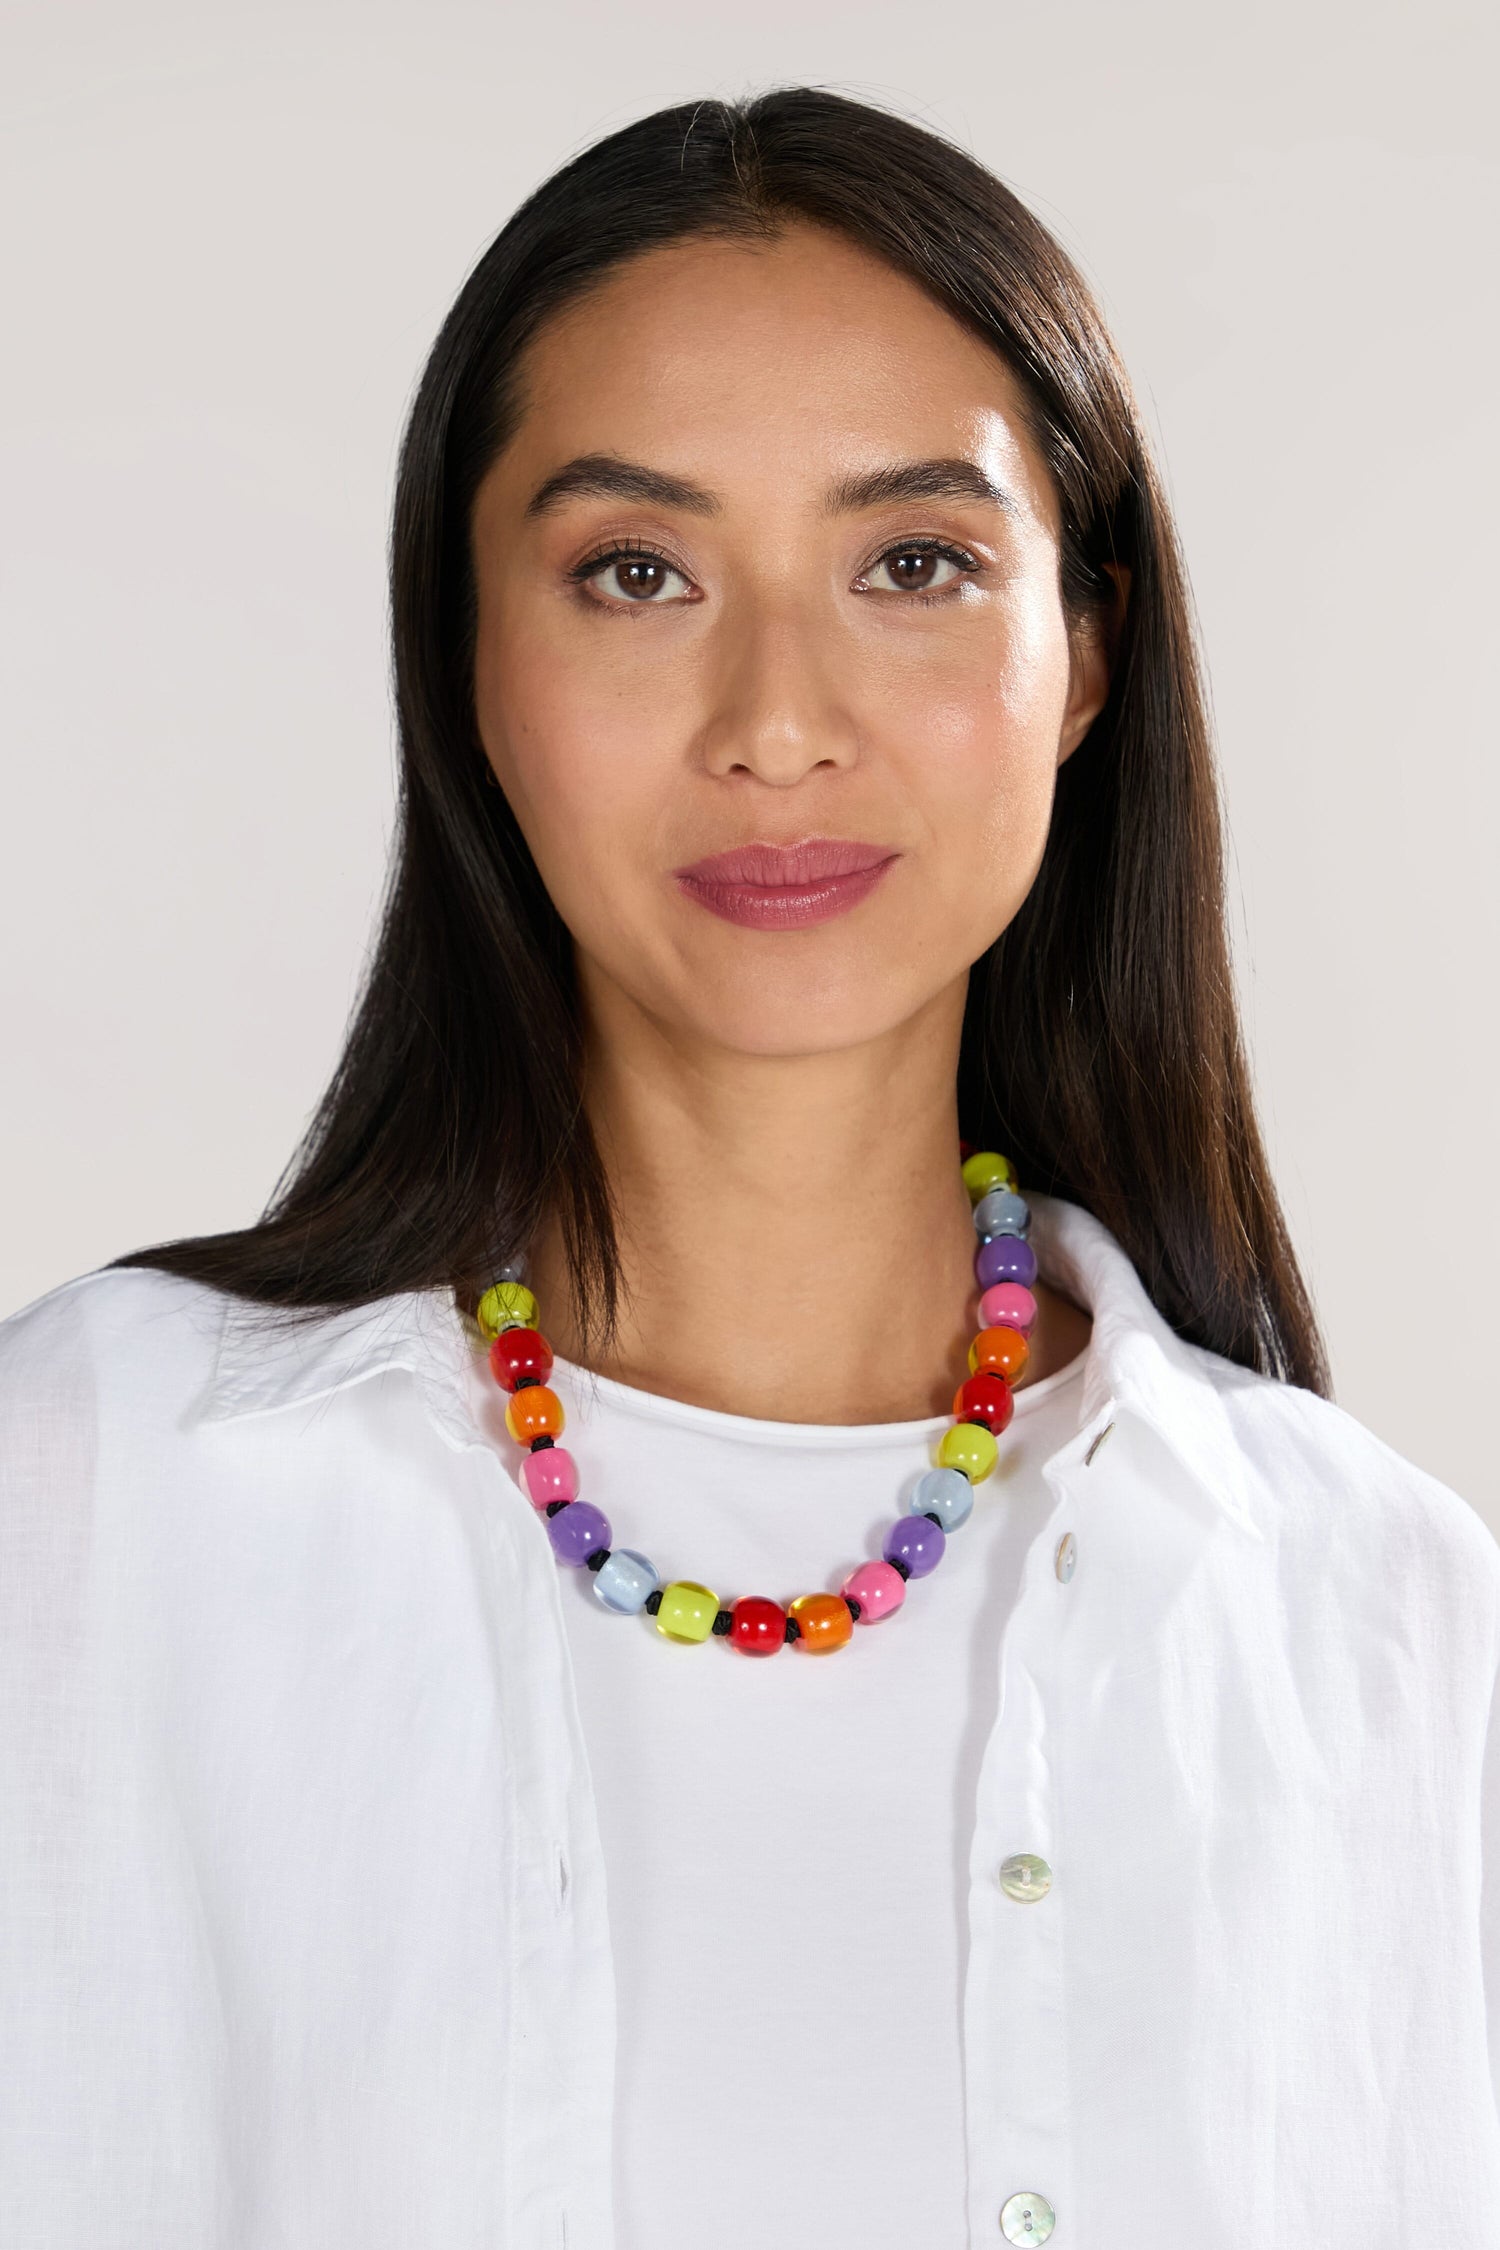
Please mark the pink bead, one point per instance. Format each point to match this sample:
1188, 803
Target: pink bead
878, 1587
551, 1474
1008, 1305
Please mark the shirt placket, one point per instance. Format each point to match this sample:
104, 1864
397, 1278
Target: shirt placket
560, 2004
1018, 2116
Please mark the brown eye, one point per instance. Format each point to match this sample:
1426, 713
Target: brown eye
919, 569
631, 577
638, 581
913, 572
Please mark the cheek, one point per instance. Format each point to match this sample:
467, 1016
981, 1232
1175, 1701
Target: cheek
578, 755
984, 719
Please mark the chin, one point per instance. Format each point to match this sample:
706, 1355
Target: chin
778, 1014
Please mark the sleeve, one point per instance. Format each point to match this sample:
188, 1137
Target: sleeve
1489, 1882
48, 1757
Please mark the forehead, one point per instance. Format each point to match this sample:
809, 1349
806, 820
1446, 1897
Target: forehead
736, 358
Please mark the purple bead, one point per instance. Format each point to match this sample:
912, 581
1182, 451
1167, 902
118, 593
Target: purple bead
1005, 1257
578, 1531
916, 1541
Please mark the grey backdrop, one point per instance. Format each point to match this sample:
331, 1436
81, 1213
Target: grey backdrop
228, 238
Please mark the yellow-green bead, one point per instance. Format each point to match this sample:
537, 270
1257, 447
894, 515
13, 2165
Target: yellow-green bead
984, 1171
687, 1610
971, 1447
509, 1304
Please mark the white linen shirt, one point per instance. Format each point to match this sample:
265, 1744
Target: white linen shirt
304, 1940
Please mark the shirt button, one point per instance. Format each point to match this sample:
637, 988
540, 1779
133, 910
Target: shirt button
1025, 1877
1067, 1556
1027, 2217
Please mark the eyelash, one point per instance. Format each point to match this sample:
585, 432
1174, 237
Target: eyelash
636, 550
966, 564
618, 550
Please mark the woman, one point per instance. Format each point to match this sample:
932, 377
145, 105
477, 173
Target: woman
808, 833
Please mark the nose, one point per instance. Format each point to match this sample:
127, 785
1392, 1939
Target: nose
778, 703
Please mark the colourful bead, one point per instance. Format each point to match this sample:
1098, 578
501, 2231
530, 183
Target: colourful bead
1004, 1351
1005, 1257
878, 1587
551, 1474
970, 1447
578, 1531
823, 1622
509, 1304
534, 1412
623, 1581
1008, 1305
687, 1611
985, 1171
1003, 1212
626, 1582
917, 1542
984, 1398
519, 1351
946, 1494
757, 1626
995, 1260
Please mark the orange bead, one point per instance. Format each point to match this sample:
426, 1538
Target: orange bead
823, 1622
999, 1351
533, 1412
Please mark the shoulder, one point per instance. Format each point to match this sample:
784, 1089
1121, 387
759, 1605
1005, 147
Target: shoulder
1311, 1475
1325, 1488
121, 1342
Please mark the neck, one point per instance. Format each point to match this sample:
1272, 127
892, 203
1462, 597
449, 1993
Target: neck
795, 1239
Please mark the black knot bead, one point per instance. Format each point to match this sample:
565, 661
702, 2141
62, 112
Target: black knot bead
540, 1444
931, 1518
722, 1621
653, 1602
553, 1506
853, 1607
793, 1630
525, 1382
598, 1559
896, 1564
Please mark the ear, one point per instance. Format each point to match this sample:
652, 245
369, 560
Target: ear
1093, 642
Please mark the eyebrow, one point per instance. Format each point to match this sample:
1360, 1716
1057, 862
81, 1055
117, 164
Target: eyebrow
603, 476
949, 479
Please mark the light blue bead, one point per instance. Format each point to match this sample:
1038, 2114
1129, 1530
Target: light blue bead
623, 1582
1002, 1211
946, 1494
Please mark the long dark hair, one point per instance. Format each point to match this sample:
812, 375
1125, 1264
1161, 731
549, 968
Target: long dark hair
1101, 1046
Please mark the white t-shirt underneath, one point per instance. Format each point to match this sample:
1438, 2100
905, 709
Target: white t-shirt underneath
786, 1838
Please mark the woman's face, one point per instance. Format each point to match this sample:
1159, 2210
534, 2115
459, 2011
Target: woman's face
771, 559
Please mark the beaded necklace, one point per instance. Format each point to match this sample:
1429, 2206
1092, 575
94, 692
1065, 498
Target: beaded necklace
627, 1584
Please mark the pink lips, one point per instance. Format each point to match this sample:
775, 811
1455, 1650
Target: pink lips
786, 886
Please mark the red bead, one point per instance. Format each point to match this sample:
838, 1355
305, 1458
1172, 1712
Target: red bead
517, 1352
984, 1398
757, 1627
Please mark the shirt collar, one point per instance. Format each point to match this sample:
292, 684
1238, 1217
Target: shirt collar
1136, 1364
266, 1361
